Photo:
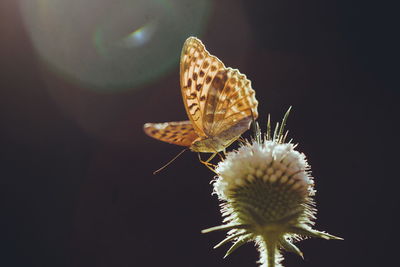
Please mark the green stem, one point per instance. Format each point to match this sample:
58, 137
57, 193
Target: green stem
270, 245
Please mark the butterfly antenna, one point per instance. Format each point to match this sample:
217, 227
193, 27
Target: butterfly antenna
169, 162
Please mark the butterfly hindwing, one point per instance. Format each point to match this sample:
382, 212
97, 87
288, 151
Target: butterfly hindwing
179, 133
236, 102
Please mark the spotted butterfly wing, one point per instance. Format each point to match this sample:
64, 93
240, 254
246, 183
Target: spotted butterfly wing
178, 133
236, 103
197, 72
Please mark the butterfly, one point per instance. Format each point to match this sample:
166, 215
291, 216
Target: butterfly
219, 102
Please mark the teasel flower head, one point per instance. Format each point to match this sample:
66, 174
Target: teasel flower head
267, 190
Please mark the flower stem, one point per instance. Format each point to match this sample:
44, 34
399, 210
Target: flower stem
270, 246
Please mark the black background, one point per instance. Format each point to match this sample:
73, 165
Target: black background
86, 196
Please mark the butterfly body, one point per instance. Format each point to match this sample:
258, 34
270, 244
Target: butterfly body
221, 141
219, 101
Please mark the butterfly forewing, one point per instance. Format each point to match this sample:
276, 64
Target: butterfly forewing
179, 133
197, 70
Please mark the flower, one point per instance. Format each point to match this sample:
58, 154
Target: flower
266, 188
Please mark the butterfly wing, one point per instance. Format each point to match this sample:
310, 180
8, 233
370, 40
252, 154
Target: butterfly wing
232, 100
179, 133
198, 71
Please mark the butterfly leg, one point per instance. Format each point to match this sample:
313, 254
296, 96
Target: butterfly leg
211, 157
207, 163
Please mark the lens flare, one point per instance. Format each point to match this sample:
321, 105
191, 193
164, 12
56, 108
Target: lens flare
139, 37
112, 46
135, 39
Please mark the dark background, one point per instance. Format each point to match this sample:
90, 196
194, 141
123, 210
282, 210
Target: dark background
76, 179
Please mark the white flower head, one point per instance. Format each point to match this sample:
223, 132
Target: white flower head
268, 161
266, 189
